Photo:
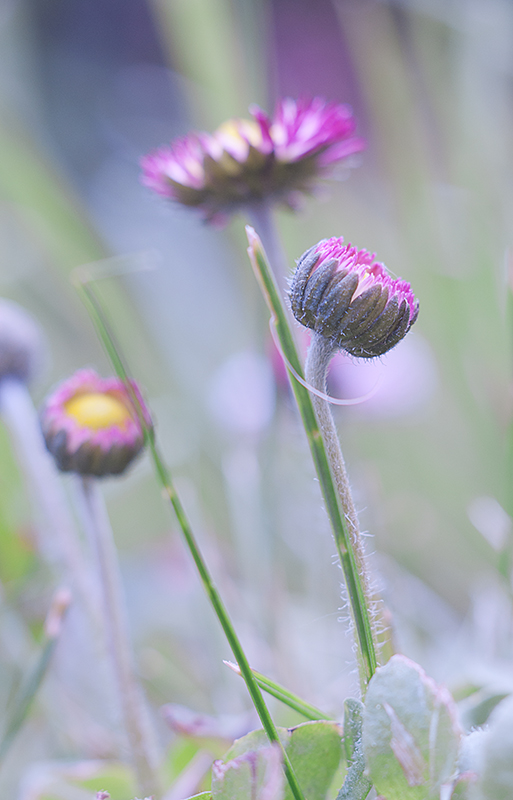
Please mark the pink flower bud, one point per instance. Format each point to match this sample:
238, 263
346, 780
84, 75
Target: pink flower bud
348, 297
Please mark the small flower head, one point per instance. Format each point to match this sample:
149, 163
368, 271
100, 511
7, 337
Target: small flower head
247, 161
348, 297
90, 425
22, 344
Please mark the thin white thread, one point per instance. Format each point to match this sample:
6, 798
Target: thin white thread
116, 266
335, 401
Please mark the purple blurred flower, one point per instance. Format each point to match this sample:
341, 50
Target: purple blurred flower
22, 343
400, 387
90, 425
247, 161
346, 296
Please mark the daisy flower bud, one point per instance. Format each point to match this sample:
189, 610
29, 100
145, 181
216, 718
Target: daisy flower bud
349, 298
90, 425
250, 161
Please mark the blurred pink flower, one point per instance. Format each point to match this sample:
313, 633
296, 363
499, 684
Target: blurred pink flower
90, 425
248, 161
401, 384
241, 395
346, 296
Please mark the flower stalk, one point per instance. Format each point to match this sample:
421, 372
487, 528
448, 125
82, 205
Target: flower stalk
108, 340
365, 638
99, 532
318, 358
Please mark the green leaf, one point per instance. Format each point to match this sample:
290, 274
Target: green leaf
497, 751
112, 777
201, 796
410, 734
476, 710
314, 750
256, 774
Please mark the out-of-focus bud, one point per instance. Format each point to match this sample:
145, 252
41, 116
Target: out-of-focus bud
349, 298
242, 394
247, 161
185, 722
60, 604
411, 735
91, 426
22, 343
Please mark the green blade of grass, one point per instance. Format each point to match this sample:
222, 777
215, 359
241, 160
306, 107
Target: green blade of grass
119, 363
287, 697
30, 686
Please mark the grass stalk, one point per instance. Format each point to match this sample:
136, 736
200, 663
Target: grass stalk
285, 696
114, 352
35, 677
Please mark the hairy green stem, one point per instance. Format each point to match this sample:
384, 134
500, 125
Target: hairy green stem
102, 326
366, 650
319, 355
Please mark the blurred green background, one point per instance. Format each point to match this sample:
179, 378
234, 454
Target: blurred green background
86, 89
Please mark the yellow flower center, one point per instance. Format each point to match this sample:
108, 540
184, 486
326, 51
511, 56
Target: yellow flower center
97, 410
235, 136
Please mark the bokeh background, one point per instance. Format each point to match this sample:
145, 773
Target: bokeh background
86, 89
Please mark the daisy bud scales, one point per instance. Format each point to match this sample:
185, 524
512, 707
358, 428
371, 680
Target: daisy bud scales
90, 425
346, 296
247, 161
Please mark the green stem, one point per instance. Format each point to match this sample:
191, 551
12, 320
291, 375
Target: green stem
222, 615
114, 352
24, 701
366, 651
284, 695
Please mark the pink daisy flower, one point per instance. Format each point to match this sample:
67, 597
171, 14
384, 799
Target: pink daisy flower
90, 425
248, 161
